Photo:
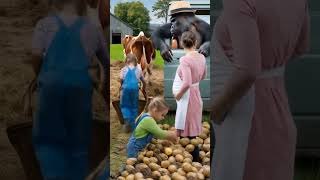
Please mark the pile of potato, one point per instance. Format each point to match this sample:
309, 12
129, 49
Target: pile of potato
164, 161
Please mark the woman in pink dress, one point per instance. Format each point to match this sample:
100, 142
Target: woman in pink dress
191, 71
255, 134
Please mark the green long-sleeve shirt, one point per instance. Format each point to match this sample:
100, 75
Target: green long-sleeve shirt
149, 125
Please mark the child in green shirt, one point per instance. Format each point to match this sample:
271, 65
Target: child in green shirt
147, 128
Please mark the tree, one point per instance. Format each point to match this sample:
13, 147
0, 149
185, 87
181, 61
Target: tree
135, 14
161, 8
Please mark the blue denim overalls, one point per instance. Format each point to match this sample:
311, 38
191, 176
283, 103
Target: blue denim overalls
130, 97
137, 145
62, 128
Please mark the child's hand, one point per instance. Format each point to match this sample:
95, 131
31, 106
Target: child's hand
171, 136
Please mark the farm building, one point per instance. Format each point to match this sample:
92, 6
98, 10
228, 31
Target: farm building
118, 29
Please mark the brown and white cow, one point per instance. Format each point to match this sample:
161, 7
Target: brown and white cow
142, 47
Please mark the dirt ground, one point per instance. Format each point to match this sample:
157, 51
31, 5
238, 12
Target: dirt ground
118, 138
17, 20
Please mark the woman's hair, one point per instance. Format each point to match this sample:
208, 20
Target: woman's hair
80, 5
131, 58
188, 39
157, 103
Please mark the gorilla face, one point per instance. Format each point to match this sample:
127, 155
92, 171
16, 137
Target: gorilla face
180, 23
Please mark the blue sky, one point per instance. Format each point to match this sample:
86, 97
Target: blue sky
148, 4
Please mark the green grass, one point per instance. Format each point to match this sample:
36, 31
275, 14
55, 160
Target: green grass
116, 54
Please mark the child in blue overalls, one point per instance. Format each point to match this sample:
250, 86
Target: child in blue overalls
147, 128
129, 80
63, 46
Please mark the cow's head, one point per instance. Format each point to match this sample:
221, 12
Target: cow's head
126, 40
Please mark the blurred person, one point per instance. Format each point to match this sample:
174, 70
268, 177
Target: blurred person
252, 43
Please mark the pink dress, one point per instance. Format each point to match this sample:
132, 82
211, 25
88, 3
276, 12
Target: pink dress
192, 69
258, 35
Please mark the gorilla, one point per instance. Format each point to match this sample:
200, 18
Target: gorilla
182, 19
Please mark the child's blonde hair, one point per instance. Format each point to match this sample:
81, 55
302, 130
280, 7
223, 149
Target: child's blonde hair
131, 58
157, 103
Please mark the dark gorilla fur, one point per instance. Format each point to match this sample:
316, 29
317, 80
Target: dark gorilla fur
180, 23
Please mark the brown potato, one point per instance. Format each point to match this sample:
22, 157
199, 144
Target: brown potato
181, 172
190, 148
124, 173
187, 160
154, 166
206, 171
184, 141
168, 151
146, 160
165, 164
179, 158
206, 147
130, 177
149, 154
172, 159
131, 161
207, 141
172, 169
138, 175
156, 175
203, 136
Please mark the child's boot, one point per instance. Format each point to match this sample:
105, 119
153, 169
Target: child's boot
126, 127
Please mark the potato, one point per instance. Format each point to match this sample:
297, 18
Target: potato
156, 175
159, 146
181, 172
140, 167
154, 141
208, 154
206, 171
177, 151
194, 169
146, 160
130, 177
130, 168
206, 147
161, 126
138, 176
177, 176
168, 151
172, 169
172, 159
206, 161
197, 165
203, 136
165, 177
179, 158
184, 141
124, 173
187, 160
163, 157
131, 161
154, 166
206, 131
207, 141
192, 175
165, 164
186, 154
140, 157
164, 171
200, 176
149, 154
206, 125
187, 167
200, 140
172, 129
195, 142
190, 148
202, 154
151, 147
153, 160
144, 152
121, 178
